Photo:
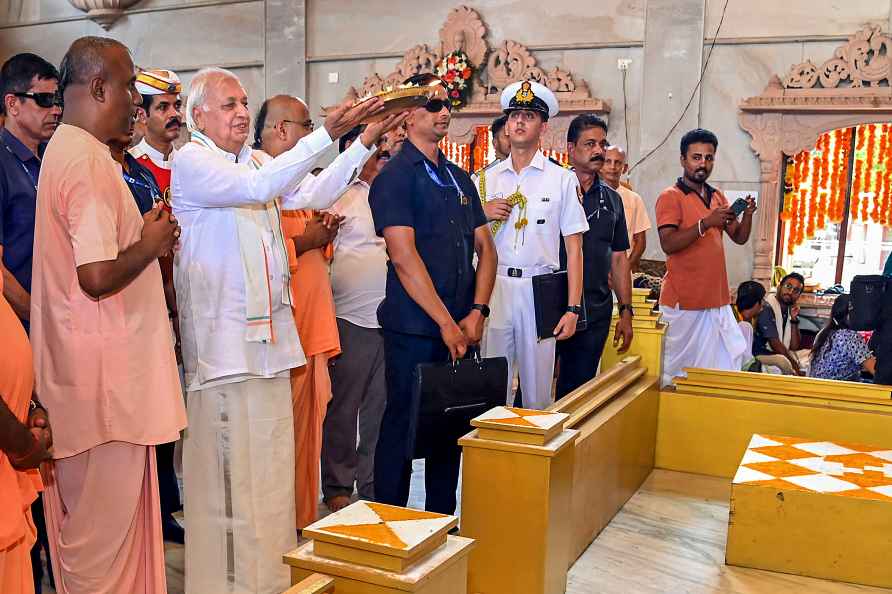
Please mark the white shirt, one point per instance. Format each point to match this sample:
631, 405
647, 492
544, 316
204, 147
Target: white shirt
206, 185
553, 210
359, 265
636, 213
156, 156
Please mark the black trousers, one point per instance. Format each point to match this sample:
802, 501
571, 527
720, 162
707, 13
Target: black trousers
168, 489
396, 441
882, 348
578, 357
41, 544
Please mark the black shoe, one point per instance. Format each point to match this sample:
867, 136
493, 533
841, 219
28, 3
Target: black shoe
172, 530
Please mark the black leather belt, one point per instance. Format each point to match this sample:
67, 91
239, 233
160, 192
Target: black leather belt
515, 272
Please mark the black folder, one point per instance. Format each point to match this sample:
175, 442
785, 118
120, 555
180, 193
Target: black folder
550, 293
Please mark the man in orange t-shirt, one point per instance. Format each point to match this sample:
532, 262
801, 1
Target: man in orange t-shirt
692, 218
281, 123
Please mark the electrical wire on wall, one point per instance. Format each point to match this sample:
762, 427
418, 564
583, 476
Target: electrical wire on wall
693, 93
626, 111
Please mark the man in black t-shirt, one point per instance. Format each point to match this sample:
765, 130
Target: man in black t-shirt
604, 248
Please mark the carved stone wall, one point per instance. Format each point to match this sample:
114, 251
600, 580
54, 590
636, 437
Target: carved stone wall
791, 113
509, 62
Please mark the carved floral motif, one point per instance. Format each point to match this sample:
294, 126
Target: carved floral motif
464, 31
512, 61
850, 89
864, 59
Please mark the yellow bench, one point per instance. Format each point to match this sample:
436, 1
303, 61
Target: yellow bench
707, 421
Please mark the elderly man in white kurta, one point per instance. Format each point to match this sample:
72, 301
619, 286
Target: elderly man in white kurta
238, 336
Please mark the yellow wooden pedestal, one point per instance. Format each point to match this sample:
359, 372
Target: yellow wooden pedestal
313, 584
372, 548
616, 416
807, 507
515, 503
444, 571
647, 342
706, 423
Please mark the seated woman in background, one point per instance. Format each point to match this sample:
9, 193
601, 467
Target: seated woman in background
840, 353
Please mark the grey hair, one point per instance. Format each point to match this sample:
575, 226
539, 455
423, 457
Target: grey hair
198, 90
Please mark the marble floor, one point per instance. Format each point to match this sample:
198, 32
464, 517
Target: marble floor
669, 538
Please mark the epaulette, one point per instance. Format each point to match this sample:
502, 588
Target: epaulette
482, 169
559, 164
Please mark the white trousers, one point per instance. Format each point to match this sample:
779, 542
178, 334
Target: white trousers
238, 464
511, 333
705, 338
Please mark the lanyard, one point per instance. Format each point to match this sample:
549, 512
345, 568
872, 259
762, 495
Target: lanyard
436, 179
27, 171
602, 204
144, 183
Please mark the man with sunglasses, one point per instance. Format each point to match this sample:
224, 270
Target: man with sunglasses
546, 210
282, 121
777, 338
28, 86
435, 303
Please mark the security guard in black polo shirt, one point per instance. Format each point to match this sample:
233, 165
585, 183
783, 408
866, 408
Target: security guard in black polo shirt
604, 248
435, 303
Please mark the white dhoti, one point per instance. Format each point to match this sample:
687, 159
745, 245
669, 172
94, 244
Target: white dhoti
238, 460
511, 333
706, 338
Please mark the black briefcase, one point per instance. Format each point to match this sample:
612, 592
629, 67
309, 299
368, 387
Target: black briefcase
550, 293
868, 292
450, 394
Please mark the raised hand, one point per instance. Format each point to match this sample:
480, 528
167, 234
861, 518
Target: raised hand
497, 209
346, 116
374, 131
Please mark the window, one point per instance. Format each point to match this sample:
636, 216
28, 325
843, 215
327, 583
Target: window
836, 217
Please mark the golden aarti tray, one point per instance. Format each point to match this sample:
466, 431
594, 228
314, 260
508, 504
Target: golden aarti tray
404, 98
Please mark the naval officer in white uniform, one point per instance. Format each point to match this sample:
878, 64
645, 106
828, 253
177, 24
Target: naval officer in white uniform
546, 209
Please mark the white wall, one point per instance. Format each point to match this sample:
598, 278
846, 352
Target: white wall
758, 38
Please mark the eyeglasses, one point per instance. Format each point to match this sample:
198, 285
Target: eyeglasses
308, 124
793, 288
436, 105
44, 100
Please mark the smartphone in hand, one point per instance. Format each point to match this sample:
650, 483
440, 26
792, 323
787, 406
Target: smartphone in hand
738, 207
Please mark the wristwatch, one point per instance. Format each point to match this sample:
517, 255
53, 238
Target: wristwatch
625, 307
576, 309
794, 320
482, 308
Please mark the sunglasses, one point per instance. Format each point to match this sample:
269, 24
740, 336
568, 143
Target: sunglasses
436, 105
308, 124
44, 100
793, 288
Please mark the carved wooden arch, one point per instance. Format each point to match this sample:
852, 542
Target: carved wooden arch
790, 115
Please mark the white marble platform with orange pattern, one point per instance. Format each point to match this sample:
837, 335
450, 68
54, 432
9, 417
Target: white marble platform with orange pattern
520, 419
792, 463
377, 527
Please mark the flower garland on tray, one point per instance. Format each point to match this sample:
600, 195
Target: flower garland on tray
456, 70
